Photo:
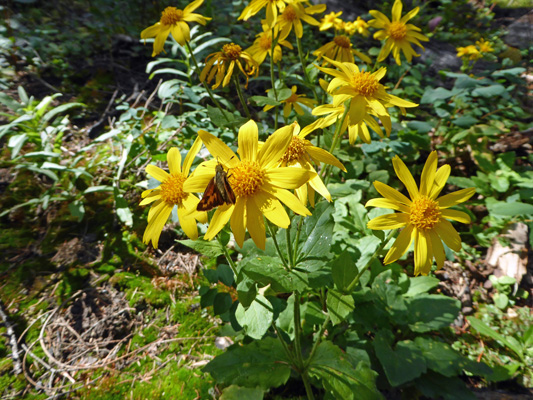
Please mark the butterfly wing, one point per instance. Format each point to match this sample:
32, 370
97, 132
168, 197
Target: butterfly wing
211, 198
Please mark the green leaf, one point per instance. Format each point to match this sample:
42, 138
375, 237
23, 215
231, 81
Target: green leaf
268, 270
256, 319
500, 300
16, 142
489, 91
431, 95
225, 275
285, 320
340, 378
343, 270
284, 94
435, 386
77, 209
486, 330
262, 101
318, 231
224, 120
260, 364
465, 121
235, 392
339, 306
511, 71
421, 284
403, 364
211, 249
420, 126
510, 209
60, 109
246, 289
222, 303
431, 312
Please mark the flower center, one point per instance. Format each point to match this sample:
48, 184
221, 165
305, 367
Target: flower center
232, 50
171, 15
397, 30
246, 178
365, 83
172, 189
292, 99
289, 14
342, 41
265, 42
424, 213
295, 150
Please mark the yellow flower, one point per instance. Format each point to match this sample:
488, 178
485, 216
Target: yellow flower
220, 62
174, 21
367, 95
340, 49
424, 217
398, 33
272, 7
333, 114
293, 15
329, 20
469, 52
170, 193
299, 154
361, 26
259, 184
263, 46
339, 24
293, 101
484, 47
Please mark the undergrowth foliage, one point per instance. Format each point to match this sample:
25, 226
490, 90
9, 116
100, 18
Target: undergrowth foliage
277, 142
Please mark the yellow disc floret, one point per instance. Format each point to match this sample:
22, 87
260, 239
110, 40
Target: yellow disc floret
295, 150
232, 50
171, 15
397, 30
265, 42
246, 178
289, 14
365, 83
172, 189
342, 41
424, 213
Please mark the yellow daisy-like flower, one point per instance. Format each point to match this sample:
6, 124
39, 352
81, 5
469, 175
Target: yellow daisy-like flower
469, 52
272, 7
367, 95
361, 26
398, 32
220, 62
484, 47
333, 114
259, 184
174, 21
294, 14
340, 49
329, 20
263, 46
293, 101
423, 217
170, 193
299, 154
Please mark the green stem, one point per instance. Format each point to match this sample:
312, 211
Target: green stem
307, 385
273, 236
297, 241
335, 142
228, 258
241, 97
367, 265
288, 352
306, 75
289, 246
298, 347
206, 86
317, 341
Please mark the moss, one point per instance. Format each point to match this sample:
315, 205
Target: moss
139, 289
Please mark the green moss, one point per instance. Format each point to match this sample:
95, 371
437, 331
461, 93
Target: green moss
139, 289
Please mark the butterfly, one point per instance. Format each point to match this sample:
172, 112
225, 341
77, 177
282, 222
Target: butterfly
217, 192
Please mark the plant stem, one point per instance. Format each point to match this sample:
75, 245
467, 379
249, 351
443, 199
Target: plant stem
336, 140
306, 75
367, 265
206, 86
302, 368
317, 341
228, 258
241, 97
273, 236
297, 241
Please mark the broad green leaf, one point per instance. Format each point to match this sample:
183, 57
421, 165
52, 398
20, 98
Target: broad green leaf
435, 386
430, 312
403, 364
60, 109
343, 270
500, 300
225, 275
222, 303
420, 126
513, 209
486, 330
77, 209
268, 270
431, 95
227, 119
285, 320
255, 319
261, 363
465, 121
339, 377
15, 143
339, 306
235, 392
246, 289
318, 230
262, 101
211, 249
421, 284
489, 91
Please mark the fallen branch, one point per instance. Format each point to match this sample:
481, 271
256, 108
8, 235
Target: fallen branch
10, 332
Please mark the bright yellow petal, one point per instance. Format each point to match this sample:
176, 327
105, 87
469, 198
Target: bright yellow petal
156, 224
452, 199
287, 198
238, 218
421, 253
428, 174
188, 224
288, 177
405, 176
219, 220
219, 149
151, 31
440, 181
391, 194
400, 246
255, 224
388, 221
386, 203
174, 161
437, 248
271, 208
192, 6
248, 139
157, 173
448, 234
275, 146
321, 155
456, 215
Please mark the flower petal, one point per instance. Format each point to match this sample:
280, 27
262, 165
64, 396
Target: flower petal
174, 161
271, 208
238, 218
157, 172
391, 194
321, 155
219, 149
188, 224
448, 234
156, 224
387, 203
437, 248
388, 221
255, 224
452, 199
428, 174
219, 220
288, 177
422, 259
189, 158
400, 246
287, 198
248, 139
405, 176
275, 146
456, 215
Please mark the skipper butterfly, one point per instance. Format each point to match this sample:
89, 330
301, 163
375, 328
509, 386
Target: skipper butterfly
217, 192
